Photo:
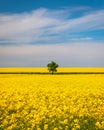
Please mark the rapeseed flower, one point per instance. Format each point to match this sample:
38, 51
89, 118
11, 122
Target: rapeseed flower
54, 102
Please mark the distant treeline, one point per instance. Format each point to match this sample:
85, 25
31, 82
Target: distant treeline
56, 73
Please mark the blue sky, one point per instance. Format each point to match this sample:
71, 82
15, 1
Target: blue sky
70, 32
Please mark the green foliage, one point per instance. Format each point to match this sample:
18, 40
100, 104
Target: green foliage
52, 67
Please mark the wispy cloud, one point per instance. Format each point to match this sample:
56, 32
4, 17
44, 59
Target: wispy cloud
73, 54
25, 27
91, 21
82, 39
47, 25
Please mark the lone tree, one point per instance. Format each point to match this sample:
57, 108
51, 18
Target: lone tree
52, 67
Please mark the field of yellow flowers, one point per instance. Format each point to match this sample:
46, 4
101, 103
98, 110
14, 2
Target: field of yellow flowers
51, 102
64, 69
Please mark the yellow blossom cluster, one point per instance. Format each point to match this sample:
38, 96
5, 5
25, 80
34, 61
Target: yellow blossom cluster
52, 102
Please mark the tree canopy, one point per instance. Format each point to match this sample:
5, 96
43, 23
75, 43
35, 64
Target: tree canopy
52, 67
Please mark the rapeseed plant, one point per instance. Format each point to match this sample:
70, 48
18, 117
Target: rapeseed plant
52, 102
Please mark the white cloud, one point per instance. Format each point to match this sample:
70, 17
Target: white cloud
82, 39
25, 27
91, 21
50, 26
73, 54
45, 25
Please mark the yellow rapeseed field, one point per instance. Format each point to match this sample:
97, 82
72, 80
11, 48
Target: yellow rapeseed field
73, 69
51, 102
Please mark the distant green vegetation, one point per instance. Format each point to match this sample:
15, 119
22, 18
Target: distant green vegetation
57, 73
